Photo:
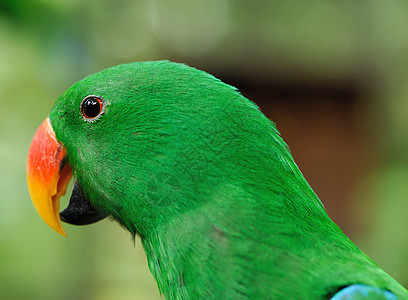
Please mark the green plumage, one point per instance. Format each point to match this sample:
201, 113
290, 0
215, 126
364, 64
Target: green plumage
194, 168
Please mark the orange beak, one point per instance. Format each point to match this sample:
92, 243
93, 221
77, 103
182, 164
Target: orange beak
47, 175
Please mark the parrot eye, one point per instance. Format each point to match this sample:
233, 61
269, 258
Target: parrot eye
92, 107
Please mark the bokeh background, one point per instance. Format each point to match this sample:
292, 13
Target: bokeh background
332, 74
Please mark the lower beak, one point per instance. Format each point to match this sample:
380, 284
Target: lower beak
48, 175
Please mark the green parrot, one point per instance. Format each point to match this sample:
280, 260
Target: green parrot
192, 167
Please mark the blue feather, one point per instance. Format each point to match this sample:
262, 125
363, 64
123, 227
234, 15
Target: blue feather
359, 291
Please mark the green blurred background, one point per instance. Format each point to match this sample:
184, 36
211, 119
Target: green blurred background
332, 74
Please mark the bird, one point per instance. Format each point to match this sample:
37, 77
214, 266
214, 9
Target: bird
195, 169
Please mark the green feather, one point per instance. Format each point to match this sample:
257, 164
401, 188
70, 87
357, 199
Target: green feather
203, 177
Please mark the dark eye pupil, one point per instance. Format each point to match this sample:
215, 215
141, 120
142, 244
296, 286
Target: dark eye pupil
91, 107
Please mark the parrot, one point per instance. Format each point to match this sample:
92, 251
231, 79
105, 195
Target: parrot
194, 169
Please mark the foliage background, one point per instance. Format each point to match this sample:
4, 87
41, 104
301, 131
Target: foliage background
332, 74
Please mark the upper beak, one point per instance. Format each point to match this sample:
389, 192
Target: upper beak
48, 174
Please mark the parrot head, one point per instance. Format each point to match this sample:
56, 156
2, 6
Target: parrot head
142, 140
